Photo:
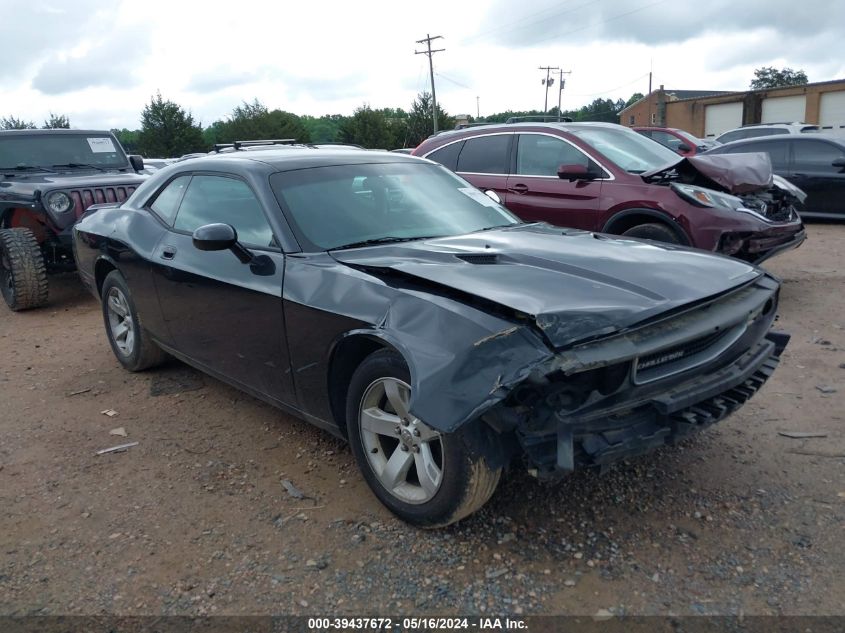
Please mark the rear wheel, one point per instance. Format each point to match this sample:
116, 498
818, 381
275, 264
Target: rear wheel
23, 276
656, 232
130, 343
425, 477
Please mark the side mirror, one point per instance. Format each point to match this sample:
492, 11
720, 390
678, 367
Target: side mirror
136, 161
220, 237
215, 237
574, 172
683, 147
493, 195
839, 163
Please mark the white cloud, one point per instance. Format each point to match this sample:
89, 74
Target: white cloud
101, 62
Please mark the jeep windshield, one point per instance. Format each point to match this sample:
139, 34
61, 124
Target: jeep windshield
358, 205
49, 152
630, 150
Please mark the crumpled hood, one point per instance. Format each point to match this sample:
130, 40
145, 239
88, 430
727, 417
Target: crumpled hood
575, 284
732, 173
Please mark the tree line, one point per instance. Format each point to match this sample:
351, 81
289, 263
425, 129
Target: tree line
169, 130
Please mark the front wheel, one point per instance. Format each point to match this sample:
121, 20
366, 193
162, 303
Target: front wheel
653, 231
425, 477
130, 343
23, 276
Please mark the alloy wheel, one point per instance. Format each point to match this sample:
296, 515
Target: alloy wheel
120, 321
404, 453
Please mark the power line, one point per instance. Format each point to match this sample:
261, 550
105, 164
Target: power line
454, 81
428, 39
605, 21
603, 92
510, 27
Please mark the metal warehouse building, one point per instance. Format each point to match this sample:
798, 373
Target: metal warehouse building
709, 113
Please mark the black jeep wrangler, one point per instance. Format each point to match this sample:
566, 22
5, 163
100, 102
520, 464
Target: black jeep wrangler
48, 178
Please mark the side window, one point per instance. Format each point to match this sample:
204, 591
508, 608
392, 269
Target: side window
485, 155
211, 199
731, 136
447, 156
670, 141
778, 152
167, 200
816, 156
541, 155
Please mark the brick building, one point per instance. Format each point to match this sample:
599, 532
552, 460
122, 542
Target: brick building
709, 113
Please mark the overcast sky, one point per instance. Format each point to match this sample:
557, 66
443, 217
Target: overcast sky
99, 61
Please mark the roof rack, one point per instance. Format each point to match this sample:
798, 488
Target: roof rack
540, 118
239, 144
463, 126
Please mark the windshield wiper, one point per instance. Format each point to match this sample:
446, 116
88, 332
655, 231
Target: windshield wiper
26, 168
74, 165
383, 240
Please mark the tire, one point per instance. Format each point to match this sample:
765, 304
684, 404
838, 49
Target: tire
656, 232
130, 343
465, 481
23, 276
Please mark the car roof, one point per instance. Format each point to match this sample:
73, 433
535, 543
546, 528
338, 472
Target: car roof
52, 131
792, 138
480, 130
301, 157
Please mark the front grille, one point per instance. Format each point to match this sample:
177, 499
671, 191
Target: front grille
84, 198
678, 352
673, 360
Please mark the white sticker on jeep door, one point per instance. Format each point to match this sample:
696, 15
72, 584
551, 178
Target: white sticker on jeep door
101, 144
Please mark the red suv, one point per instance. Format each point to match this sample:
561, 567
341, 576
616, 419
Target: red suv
608, 178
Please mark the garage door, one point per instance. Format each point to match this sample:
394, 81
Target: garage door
832, 112
722, 117
783, 109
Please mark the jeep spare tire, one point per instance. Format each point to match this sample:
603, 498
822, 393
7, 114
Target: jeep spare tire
23, 276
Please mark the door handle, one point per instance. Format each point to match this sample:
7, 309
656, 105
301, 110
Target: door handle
168, 252
519, 188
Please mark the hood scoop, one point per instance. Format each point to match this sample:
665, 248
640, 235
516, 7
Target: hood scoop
480, 258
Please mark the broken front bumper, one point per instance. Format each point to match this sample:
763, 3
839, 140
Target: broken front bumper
635, 427
756, 248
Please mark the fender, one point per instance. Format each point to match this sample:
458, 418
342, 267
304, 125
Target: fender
660, 216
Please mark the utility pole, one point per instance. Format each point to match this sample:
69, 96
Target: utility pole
560, 84
478, 107
650, 68
428, 39
547, 82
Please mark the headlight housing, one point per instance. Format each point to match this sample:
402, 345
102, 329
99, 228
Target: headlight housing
59, 202
702, 197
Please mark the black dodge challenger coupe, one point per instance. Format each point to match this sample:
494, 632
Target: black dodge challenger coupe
385, 299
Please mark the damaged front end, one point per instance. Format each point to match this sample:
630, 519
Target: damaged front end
742, 184
627, 394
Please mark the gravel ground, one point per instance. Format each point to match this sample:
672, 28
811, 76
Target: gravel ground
194, 519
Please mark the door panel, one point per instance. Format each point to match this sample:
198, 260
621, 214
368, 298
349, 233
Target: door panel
220, 312
536, 194
484, 162
813, 172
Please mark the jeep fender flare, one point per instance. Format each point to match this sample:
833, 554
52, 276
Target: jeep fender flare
629, 218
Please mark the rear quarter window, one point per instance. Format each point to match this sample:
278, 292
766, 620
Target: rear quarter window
447, 156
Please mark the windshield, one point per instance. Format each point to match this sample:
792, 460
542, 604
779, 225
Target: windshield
22, 151
630, 150
342, 205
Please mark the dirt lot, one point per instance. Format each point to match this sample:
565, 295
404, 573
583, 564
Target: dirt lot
194, 519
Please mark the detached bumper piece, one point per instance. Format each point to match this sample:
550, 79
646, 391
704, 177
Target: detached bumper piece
665, 419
